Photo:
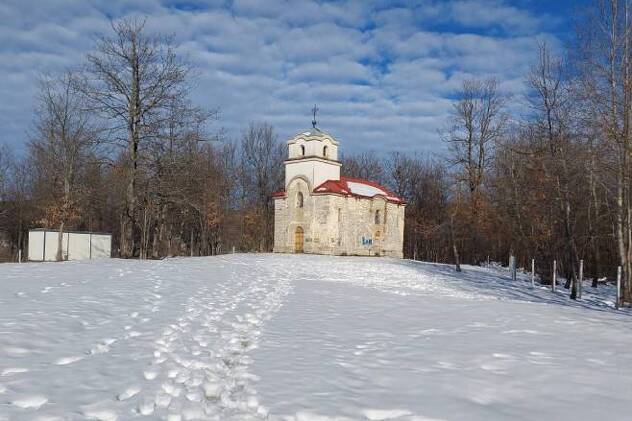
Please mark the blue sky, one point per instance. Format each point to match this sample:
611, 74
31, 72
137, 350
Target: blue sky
382, 72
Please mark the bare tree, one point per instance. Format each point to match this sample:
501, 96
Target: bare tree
63, 137
477, 122
17, 208
173, 177
5, 163
401, 172
262, 160
365, 165
132, 79
551, 101
605, 63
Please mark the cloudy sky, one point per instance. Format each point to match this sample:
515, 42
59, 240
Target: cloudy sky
382, 73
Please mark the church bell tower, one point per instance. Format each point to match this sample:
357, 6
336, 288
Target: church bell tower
312, 155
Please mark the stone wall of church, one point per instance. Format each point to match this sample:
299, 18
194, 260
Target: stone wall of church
280, 226
289, 216
339, 225
361, 234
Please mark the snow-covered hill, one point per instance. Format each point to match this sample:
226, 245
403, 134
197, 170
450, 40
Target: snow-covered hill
285, 337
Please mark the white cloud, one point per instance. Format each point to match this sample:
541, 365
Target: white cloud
381, 73
482, 14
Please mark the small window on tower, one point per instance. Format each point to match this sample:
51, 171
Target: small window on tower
325, 151
299, 200
302, 150
377, 216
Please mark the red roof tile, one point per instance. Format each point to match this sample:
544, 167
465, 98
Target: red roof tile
357, 187
280, 193
354, 187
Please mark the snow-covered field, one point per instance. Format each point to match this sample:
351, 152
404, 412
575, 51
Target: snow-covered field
286, 337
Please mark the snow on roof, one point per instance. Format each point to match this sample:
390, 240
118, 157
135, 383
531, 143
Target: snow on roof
365, 189
356, 187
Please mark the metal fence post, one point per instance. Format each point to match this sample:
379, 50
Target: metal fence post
581, 279
554, 280
618, 287
532, 273
512, 266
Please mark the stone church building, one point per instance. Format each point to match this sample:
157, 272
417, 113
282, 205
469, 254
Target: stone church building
321, 212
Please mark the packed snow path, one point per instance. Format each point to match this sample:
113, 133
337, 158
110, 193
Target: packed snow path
300, 338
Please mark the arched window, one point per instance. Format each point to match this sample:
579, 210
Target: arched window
299, 200
325, 151
377, 216
302, 150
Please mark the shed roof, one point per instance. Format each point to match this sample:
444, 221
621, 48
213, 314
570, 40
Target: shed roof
53, 230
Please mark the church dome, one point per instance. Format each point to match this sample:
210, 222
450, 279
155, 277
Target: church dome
313, 133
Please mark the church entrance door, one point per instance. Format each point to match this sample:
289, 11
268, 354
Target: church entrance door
299, 236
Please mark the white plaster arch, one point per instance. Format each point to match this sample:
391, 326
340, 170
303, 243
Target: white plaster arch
303, 178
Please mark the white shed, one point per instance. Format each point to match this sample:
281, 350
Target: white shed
76, 245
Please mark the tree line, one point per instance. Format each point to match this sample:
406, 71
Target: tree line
550, 182
116, 145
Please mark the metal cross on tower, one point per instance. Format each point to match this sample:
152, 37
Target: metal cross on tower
314, 111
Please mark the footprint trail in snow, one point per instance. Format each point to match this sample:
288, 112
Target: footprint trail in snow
200, 362
168, 340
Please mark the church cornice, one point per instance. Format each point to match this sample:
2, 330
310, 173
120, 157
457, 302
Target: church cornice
312, 158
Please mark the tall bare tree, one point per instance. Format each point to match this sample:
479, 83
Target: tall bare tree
478, 121
605, 64
5, 163
552, 102
132, 79
17, 208
262, 160
62, 139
